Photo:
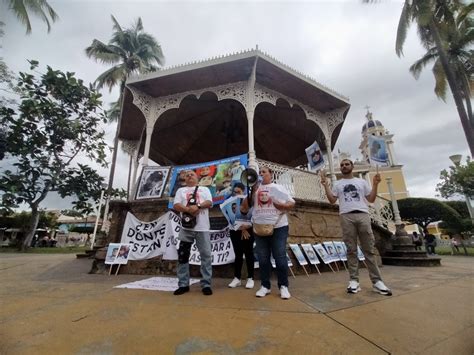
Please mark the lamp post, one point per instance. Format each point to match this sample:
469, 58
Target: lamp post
97, 215
456, 159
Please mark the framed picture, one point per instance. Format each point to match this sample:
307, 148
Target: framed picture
152, 182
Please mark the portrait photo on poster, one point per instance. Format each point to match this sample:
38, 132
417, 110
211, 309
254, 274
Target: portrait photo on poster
152, 182
377, 148
315, 157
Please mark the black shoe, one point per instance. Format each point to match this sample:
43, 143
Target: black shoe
207, 291
181, 290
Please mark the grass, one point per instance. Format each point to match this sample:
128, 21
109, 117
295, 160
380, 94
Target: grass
65, 250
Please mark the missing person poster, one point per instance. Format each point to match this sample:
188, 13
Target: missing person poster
377, 149
315, 157
219, 176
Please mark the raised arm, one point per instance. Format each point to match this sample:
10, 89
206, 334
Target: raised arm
375, 183
324, 181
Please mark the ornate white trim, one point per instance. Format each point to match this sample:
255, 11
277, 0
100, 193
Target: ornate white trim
334, 118
263, 94
152, 108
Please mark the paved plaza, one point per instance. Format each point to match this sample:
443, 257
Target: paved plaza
50, 305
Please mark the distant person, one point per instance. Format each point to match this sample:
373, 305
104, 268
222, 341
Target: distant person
416, 238
430, 243
454, 245
354, 194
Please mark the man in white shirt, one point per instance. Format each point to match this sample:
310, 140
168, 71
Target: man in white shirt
200, 232
354, 195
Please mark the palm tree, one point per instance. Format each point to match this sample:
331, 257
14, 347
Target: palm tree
433, 18
130, 51
40, 8
458, 37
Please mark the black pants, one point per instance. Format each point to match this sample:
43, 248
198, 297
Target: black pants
241, 247
430, 248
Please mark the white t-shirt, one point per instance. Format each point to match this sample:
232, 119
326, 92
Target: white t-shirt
264, 212
351, 194
202, 194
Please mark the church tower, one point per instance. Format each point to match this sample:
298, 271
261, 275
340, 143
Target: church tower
375, 128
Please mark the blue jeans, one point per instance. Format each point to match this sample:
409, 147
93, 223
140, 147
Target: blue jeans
276, 245
203, 243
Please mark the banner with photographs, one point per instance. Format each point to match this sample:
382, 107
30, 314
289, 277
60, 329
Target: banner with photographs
378, 154
117, 253
322, 253
315, 157
146, 240
219, 176
152, 182
230, 208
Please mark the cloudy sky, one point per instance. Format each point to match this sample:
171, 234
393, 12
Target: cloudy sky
345, 45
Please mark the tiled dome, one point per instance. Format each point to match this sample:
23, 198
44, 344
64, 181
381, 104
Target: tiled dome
370, 124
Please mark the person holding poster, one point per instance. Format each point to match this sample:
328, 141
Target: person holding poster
353, 194
199, 233
242, 241
270, 202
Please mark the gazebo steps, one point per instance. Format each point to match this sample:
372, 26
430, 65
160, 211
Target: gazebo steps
411, 261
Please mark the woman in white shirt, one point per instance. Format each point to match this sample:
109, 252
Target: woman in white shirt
270, 201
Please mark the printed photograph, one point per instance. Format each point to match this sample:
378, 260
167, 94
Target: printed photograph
152, 182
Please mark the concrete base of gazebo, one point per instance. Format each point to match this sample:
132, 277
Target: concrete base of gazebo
310, 222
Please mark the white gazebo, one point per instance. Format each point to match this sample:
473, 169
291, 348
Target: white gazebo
246, 102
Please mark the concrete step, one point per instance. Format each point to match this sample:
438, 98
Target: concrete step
411, 261
407, 253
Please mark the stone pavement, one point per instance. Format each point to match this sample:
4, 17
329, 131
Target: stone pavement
50, 305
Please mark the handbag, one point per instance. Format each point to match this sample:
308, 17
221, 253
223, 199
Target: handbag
188, 220
265, 230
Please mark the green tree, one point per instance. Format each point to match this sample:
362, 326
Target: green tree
55, 124
445, 30
460, 207
130, 51
457, 37
457, 180
40, 8
424, 211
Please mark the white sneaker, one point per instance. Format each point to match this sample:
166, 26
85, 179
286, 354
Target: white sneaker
380, 287
284, 293
235, 282
262, 292
353, 287
250, 283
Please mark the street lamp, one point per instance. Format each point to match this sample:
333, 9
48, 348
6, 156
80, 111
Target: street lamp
456, 159
97, 215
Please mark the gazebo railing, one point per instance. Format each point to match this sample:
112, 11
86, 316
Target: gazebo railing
300, 184
306, 185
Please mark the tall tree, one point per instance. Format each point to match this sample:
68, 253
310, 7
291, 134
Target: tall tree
457, 36
40, 8
130, 51
433, 19
55, 123
458, 180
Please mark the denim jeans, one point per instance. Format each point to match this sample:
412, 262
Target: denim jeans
203, 243
276, 245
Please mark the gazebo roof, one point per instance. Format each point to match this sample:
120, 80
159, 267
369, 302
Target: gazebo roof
270, 73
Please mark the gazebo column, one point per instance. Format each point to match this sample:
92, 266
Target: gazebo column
250, 110
330, 161
149, 132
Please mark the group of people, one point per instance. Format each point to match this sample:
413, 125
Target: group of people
269, 203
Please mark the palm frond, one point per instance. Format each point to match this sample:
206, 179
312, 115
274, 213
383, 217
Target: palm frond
102, 52
440, 80
403, 24
111, 77
421, 63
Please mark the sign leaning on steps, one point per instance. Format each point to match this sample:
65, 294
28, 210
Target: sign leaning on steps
117, 254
